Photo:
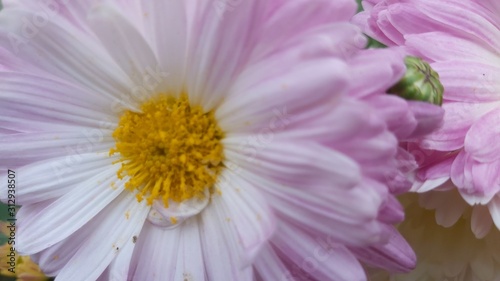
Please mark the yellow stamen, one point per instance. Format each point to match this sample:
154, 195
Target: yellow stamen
171, 150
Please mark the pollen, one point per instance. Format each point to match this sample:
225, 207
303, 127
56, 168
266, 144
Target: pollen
170, 150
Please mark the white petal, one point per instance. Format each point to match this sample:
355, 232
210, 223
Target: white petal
54, 144
68, 213
494, 207
481, 221
128, 48
429, 184
112, 229
57, 104
54, 258
222, 255
119, 267
61, 50
156, 254
246, 210
176, 253
220, 44
190, 261
49, 179
167, 31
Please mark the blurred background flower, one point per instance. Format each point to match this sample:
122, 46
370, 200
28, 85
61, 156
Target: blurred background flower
24, 268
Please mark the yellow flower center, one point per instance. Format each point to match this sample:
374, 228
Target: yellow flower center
170, 150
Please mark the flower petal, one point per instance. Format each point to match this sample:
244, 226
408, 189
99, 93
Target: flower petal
54, 258
483, 139
469, 80
297, 164
49, 179
481, 220
269, 266
353, 210
129, 50
67, 214
25, 147
67, 53
458, 118
494, 207
155, 244
166, 28
87, 263
224, 35
394, 256
247, 211
222, 254
316, 256
255, 105
57, 104
431, 45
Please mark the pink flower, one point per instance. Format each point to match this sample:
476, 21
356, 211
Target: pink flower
193, 140
462, 40
408, 121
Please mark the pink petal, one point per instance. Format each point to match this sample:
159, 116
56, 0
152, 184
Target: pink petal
382, 68
483, 139
298, 164
317, 208
256, 102
317, 256
432, 45
469, 80
458, 118
394, 256
428, 116
477, 182
269, 266
475, 26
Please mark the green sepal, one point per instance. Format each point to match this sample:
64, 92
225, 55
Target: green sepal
420, 83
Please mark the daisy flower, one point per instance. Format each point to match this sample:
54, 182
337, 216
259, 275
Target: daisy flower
202, 140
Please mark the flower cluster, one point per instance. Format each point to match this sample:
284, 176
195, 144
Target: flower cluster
248, 140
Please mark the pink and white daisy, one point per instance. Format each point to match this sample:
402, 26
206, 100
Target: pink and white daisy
195, 140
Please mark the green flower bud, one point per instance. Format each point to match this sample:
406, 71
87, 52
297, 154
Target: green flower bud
420, 83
